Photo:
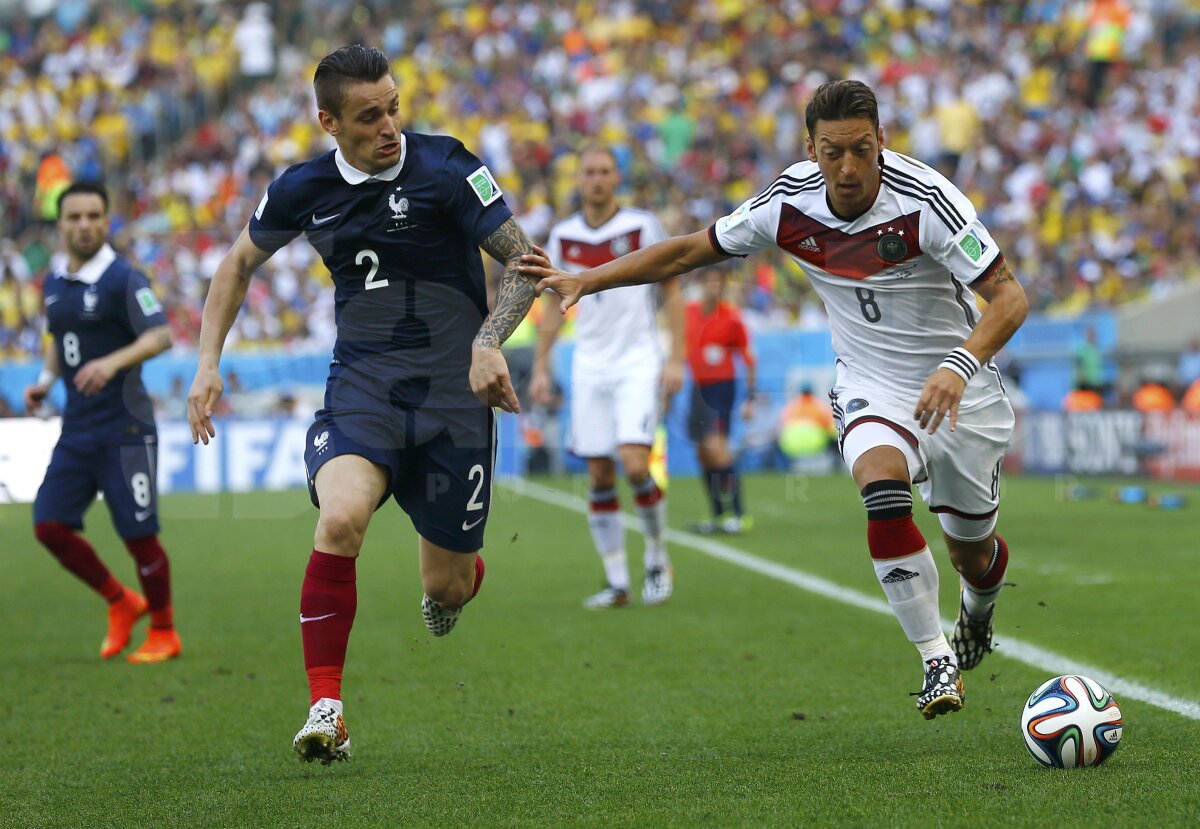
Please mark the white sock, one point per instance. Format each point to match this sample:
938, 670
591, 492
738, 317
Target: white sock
336, 703
654, 523
616, 570
911, 586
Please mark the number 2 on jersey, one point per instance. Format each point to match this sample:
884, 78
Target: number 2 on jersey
372, 257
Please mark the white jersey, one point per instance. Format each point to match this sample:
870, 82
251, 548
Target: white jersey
895, 281
617, 329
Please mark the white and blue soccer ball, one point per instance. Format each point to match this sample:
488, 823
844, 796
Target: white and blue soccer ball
1070, 722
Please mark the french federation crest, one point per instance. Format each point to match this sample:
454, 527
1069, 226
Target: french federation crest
90, 298
399, 207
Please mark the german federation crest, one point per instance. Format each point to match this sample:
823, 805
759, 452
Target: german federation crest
891, 247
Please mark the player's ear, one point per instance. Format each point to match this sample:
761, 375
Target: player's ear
329, 121
812, 150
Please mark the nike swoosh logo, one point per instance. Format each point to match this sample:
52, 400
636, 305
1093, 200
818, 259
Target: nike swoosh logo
150, 568
142, 515
467, 526
324, 219
304, 618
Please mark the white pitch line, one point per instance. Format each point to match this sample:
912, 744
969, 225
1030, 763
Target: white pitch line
1031, 655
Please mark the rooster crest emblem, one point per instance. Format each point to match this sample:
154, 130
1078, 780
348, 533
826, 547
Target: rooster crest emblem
399, 207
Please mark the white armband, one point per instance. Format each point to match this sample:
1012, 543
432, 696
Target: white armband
962, 363
46, 378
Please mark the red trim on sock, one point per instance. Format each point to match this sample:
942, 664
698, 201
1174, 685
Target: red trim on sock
605, 506
479, 569
995, 573
324, 681
894, 538
649, 498
163, 618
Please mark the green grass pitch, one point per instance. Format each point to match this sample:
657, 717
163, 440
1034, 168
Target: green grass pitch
745, 701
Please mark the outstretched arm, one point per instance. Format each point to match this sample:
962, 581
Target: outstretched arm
662, 260
514, 295
1007, 307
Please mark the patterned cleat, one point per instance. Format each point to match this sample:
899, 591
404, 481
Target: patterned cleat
943, 691
438, 619
656, 588
324, 736
972, 639
122, 616
160, 645
608, 597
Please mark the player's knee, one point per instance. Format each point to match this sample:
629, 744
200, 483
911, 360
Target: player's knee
51, 533
339, 531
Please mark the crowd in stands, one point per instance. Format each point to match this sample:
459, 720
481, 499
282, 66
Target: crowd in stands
1074, 126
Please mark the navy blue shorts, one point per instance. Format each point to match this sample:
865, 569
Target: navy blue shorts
711, 409
441, 465
125, 473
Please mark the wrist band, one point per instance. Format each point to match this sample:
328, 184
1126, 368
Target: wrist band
962, 363
46, 378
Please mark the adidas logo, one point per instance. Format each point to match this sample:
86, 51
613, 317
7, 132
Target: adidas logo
898, 574
810, 244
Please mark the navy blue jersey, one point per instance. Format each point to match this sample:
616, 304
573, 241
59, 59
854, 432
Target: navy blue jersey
103, 308
403, 249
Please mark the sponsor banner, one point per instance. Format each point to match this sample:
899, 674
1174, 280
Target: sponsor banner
1082, 443
1178, 433
248, 454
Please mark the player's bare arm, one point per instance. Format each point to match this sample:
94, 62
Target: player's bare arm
672, 377
1006, 310
514, 295
662, 260
36, 393
225, 297
94, 375
541, 386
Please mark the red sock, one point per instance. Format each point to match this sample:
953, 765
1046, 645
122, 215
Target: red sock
328, 600
154, 573
74, 553
478, 575
994, 575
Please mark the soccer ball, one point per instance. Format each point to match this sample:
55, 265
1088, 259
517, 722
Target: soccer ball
1071, 721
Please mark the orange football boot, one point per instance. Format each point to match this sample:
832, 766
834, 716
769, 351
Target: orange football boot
160, 645
122, 616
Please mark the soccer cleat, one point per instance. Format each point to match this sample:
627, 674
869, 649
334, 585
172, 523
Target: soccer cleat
943, 690
656, 588
608, 597
324, 736
438, 619
709, 526
972, 638
160, 645
122, 616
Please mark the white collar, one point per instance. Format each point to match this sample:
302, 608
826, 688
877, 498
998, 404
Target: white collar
94, 268
353, 175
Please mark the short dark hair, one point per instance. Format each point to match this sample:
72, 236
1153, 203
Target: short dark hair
350, 64
840, 100
88, 187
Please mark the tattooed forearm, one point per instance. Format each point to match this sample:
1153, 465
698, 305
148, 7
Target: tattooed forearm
514, 294
1002, 274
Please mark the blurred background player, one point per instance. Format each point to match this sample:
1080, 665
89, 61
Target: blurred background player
398, 218
106, 321
897, 254
618, 376
715, 335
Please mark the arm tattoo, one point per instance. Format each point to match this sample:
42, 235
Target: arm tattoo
1002, 274
514, 294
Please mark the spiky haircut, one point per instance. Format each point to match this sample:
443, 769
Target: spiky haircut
349, 64
839, 101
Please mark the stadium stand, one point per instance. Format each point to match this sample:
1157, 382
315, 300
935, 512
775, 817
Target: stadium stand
1081, 153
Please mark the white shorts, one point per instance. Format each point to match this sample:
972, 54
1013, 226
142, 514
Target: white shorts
613, 411
955, 472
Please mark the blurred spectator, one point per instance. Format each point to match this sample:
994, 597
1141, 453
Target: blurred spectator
807, 433
1188, 371
1191, 398
1089, 364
